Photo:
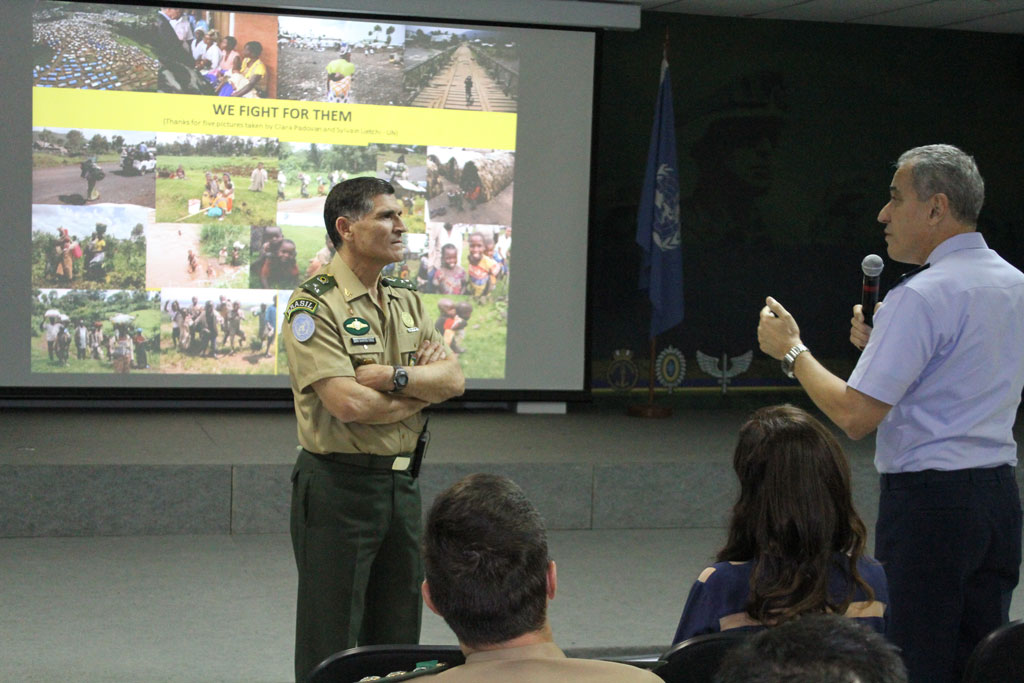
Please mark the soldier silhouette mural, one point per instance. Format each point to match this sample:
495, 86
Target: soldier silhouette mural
734, 134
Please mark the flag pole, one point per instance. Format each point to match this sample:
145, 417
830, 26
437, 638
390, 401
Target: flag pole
648, 409
661, 272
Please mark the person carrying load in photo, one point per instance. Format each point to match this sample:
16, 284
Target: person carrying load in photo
339, 79
92, 173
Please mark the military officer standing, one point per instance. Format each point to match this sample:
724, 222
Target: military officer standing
364, 360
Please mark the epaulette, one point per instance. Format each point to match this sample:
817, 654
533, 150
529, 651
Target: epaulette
398, 282
319, 284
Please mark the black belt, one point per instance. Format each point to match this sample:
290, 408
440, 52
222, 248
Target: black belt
904, 480
393, 463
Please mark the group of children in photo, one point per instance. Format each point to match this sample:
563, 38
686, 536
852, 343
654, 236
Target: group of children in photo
487, 264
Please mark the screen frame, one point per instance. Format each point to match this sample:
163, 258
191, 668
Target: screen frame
206, 391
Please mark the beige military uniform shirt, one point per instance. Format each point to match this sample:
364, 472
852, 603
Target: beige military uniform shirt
541, 663
333, 325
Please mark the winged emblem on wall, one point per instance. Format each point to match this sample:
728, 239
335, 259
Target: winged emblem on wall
724, 369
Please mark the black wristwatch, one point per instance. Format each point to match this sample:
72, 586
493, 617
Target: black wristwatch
400, 378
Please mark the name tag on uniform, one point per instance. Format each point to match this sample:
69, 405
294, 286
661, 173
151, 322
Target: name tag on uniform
412, 329
362, 341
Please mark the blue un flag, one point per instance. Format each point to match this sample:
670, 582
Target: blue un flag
658, 228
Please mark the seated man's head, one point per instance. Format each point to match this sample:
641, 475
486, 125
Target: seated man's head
486, 561
814, 648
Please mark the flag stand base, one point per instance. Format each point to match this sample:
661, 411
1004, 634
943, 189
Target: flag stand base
649, 411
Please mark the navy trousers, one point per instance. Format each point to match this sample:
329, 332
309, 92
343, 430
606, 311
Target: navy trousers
950, 542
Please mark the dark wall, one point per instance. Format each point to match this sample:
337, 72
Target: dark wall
786, 134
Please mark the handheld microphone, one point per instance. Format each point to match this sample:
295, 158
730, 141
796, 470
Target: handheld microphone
871, 266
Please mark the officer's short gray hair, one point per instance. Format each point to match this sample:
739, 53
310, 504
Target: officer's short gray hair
951, 171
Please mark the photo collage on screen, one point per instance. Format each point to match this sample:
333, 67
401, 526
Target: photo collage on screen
162, 250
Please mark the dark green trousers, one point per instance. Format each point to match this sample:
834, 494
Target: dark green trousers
356, 535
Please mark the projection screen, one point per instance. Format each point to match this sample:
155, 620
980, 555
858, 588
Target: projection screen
167, 169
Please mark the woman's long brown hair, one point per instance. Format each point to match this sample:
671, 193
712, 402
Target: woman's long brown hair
794, 518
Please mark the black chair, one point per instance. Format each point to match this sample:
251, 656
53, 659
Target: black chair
999, 657
349, 666
696, 660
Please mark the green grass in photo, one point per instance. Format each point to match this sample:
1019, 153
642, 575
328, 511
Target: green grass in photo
293, 187
148, 319
52, 159
124, 266
239, 360
249, 207
485, 339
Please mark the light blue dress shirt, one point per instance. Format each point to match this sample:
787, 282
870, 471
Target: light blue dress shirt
947, 352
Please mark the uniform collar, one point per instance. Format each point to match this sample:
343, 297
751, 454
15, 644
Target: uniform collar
351, 286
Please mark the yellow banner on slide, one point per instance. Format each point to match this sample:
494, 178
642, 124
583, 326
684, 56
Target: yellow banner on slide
289, 121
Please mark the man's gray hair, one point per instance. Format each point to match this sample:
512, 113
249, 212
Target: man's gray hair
951, 171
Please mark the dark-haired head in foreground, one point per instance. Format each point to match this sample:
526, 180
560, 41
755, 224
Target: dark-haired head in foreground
815, 648
488, 574
486, 562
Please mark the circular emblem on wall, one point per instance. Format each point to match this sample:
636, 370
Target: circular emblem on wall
670, 367
622, 371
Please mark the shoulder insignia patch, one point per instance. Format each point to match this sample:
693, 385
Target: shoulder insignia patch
303, 327
301, 304
319, 284
398, 282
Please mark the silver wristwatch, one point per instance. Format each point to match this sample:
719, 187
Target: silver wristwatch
790, 358
400, 378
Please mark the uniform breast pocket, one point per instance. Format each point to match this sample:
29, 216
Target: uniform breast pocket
407, 345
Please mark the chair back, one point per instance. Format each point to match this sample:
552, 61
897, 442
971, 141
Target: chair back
999, 657
696, 660
349, 666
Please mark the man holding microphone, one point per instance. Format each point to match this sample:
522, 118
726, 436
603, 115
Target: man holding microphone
940, 376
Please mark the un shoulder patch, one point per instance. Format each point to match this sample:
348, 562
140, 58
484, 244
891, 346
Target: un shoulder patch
303, 327
399, 282
319, 284
307, 305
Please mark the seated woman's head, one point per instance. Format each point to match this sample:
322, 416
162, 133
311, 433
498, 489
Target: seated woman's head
794, 517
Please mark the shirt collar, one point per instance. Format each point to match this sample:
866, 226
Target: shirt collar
963, 240
351, 286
